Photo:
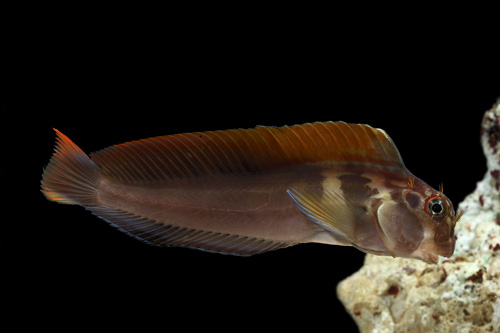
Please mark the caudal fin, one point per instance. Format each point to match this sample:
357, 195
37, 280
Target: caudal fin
71, 177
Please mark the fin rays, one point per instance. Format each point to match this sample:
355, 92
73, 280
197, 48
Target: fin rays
328, 210
156, 233
205, 154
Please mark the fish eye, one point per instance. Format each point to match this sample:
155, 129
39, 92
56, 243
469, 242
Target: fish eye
435, 207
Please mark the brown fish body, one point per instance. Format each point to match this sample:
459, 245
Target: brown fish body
250, 191
256, 206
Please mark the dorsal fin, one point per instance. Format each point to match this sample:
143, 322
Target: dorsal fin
195, 155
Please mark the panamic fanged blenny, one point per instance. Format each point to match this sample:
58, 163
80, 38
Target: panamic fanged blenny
249, 191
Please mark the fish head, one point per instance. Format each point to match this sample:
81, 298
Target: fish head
418, 222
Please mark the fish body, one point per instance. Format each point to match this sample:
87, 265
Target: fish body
249, 191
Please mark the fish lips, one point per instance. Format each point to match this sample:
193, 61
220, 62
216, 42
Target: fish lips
444, 249
430, 251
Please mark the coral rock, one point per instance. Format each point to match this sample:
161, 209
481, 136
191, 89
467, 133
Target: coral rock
459, 294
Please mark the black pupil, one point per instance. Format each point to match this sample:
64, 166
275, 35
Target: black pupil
437, 208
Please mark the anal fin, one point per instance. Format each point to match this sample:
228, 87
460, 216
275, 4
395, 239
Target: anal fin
162, 234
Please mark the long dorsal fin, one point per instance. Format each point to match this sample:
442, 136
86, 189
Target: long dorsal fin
194, 155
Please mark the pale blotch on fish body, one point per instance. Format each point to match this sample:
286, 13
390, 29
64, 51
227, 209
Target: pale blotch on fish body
245, 192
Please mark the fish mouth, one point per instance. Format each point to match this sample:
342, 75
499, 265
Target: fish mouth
430, 251
444, 249
431, 258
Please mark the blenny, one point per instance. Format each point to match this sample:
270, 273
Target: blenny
248, 191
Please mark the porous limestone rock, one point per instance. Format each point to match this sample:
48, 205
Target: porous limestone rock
459, 294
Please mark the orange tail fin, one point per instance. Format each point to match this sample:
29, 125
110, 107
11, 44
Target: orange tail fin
71, 177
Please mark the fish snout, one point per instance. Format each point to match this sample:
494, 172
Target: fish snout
446, 248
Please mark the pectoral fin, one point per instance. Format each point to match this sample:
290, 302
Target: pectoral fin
329, 210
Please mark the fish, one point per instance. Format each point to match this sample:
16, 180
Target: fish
249, 191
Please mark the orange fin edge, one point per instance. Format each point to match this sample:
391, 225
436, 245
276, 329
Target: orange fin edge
70, 177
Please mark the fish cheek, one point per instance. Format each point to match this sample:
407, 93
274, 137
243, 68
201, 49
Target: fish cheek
412, 231
402, 228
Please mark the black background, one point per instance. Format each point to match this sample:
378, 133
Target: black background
104, 87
